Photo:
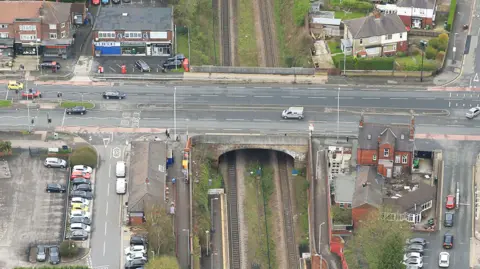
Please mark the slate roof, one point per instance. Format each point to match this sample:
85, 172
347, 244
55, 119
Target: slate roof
53, 12
370, 194
370, 26
406, 203
344, 188
386, 133
144, 163
425, 4
137, 19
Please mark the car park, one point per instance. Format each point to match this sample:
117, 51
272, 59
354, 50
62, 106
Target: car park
79, 213
54, 187
79, 200
448, 241
55, 163
41, 253
82, 194
82, 187
54, 255
80, 235
114, 95
31, 94
15, 85
80, 180
82, 168
450, 203
472, 112
79, 206
419, 241
412, 255
80, 174
83, 220
449, 219
80, 226
78, 110
414, 248
444, 260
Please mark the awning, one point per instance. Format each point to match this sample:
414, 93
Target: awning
58, 42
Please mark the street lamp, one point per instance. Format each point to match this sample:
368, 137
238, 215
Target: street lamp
454, 49
207, 232
320, 243
175, 113
338, 112
211, 205
423, 46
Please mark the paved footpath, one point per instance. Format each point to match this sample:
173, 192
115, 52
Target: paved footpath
475, 240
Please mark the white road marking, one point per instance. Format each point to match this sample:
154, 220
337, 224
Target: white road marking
105, 228
453, 125
236, 96
369, 98
316, 88
106, 214
317, 97
344, 97
292, 97
110, 171
232, 129
262, 87
108, 189
209, 95
398, 98
262, 96
234, 119
104, 248
426, 98
207, 119
260, 120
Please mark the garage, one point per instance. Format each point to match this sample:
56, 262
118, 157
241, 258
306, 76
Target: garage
107, 48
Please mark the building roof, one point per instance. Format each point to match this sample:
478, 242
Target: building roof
412, 201
11, 10
371, 26
136, 19
371, 194
326, 21
344, 188
425, 4
371, 134
146, 178
54, 13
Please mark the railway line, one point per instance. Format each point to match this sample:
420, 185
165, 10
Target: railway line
225, 32
233, 212
267, 22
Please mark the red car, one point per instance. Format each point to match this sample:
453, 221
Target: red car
77, 174
96, 2
450, 204
31, 94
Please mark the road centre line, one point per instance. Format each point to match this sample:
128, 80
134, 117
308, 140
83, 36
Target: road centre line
232, 129
316, 88
344, 97
260, 120
317, 97
369, 98
263, 96
209, 95
104, 248
236, 96
108, 188
291, 97
426, 98
398, 98
206, 119
262, 87
105, 228
234, 119
106, 214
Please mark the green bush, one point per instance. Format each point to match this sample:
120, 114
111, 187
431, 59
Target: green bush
376, 63
451, 14
300, 10
84, 156
440, 56
401, 54
431, 53
439, 43
355, 5
68, 248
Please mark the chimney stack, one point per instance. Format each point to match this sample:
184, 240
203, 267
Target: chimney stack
412, 128
360, 124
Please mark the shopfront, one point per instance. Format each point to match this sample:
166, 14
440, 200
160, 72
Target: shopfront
6, 47
133, 48
107, 48
28, 49
159, 49
57, 48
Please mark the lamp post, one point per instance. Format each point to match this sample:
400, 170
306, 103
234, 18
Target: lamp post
175, 113
176, 66
338, 112
320, 243
454, 49
188, 37
212, 229
423, 46
207, 232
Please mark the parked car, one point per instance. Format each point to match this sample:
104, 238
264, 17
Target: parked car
105, 2
76, 110
15, 85
177, 57
31, 94
114, 95
116, 2
136, 256
54, 187
134, 264
472, 112
448, 241
80, 226
83, 220
135, 248
82, 187
138, 240
172, 64
82, 194
41, 253
444, 260
55, 162
95, 2
54, 255
412, 255
79, 206
82, 168
142, 66
419, 241
50, 64
448, 220
414, 248
79, 235
450, 203
79, 200
79, 213
414, 261
80, 180
77, 174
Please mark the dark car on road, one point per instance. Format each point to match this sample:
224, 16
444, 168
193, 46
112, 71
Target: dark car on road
82, 187
54, 187
76, 110
114, 95
116, 2
49, 64
448, 241
82, 220
41, 254
82, 194
80, 180
54, 254
172, 64
134, 264
448, 221
79, 235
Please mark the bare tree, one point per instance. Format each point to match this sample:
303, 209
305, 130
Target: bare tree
159, 225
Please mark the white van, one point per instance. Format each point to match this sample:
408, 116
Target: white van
120, 170
293, 113
121, 186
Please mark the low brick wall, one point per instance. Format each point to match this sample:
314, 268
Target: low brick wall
382, 73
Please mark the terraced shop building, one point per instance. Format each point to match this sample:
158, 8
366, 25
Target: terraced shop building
125, 31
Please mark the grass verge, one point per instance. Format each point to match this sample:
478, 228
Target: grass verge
334, 46
5, 103
301, 185
247, 46
414, 63
70, 104
349, 15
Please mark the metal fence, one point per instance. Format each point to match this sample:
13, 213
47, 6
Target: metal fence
36, 152
252, 70
104, 76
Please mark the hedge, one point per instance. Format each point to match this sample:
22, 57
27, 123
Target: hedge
451, 14
377, 63
84, 156
355, 5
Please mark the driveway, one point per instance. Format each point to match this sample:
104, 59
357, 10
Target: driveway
28, 214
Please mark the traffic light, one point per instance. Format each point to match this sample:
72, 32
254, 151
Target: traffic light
33, 121
49, 120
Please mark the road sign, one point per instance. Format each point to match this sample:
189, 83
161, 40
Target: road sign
475, 78
116, 152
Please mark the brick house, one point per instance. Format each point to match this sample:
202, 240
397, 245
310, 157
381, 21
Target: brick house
35, 27
123, 31
376, 35
387, 147
417, 13
367, 197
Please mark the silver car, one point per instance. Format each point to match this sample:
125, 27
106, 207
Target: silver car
55, 162
473, 112
414, 248
417, 241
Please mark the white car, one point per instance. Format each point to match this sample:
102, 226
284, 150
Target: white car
136, 256
80, 226
444, 259
79, 213
135, 249
412, 255
414, 261
83, 168
80, 200
472, 112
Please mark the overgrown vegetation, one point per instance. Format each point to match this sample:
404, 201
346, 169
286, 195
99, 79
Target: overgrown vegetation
259, 187
301, 185
377, 243
68, 248
451, 14
199, 17
159, 226
85, 155
247, 53
5, 147
163, 262
341, 216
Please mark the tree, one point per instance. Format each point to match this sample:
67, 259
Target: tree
5, 146
85, 155
68, 248
163, 262
159, 225
378, 242
431, 53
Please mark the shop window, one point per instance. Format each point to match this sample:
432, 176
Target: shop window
28, 37
52, 35
404, 159
28, 28
52, 26
3, 35
397, 158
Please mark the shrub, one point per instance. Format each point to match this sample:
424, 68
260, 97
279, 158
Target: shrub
377, 63
356, 5
451, 14
431, 53
84, 155
416, 51
68, 248
5, 146
440, 56
401, 54
300, 10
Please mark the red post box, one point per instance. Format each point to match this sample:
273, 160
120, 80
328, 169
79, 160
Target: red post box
124, 69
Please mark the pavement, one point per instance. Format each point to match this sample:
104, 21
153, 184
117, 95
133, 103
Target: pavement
475, 240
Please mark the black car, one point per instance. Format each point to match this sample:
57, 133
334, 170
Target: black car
138, 240
178, 57
82, 220
448, 221
116, 2
49, 64
448, 241
82, 194
134, 264
54, 255
82, 187
114, 95
80, 180
53, 187
172, 64
41, 254
79, 235
77, 110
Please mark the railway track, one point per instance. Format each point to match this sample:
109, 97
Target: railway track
267, 22
225, 33
233, 212
289, 227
